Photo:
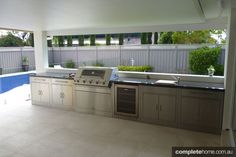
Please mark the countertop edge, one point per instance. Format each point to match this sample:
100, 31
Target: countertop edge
171, 86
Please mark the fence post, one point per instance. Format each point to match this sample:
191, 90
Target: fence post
77, 55
96, 50
148, 54
177, 58
120, 55
60, 56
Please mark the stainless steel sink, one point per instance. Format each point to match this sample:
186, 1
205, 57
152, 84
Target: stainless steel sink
167, 82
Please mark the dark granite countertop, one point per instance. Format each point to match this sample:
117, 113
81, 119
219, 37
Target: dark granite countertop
53, 75
148, 82
181, 84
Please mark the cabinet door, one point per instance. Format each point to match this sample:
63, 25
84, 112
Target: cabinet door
167, 109
149, 107
84, 101
56, 94
103, 103
45, 97
210, 113
66, 94
35, 92
190, 112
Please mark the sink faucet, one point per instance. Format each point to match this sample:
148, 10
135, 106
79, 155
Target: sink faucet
177, 78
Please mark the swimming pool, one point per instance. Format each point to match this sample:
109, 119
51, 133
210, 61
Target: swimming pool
10, 81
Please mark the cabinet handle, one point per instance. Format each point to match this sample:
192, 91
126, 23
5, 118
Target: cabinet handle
160, 108
40, 92
62, 95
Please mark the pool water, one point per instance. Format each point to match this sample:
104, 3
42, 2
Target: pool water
8, 82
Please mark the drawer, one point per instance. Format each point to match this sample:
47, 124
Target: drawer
40, 79
62, 81
202, 93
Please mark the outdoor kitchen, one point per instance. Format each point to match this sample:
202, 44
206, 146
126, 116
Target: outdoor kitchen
146, 97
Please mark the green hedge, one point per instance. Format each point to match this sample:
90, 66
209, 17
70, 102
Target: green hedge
144, 68
70, 64
202, 58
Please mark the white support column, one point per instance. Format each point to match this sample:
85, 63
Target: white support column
153, 34
230, 71
41, 51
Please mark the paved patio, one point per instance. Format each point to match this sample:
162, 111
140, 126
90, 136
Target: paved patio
34, 131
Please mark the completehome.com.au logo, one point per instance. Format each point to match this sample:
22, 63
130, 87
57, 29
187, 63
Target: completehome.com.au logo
203, 151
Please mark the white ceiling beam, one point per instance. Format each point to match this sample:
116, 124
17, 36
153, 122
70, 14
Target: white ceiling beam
198, 6
209, 24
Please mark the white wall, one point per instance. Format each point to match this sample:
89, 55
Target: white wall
230, 70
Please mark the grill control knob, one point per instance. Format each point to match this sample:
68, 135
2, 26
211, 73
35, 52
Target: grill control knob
77, 80
97, 82
84, 81
90, 81
104, 82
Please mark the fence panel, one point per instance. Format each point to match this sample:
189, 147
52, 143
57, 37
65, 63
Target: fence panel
108, 56
138, 53
30, 54
68, 54
86, 56
50, 56
163, 60
56, 56
11, 61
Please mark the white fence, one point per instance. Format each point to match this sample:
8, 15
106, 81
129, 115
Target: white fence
163, 58
11, 59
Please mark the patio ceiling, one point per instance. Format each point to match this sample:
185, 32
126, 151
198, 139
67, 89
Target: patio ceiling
94, 16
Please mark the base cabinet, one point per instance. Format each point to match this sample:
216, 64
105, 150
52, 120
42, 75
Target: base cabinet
201, 110
40, 89
94, 100
62, 93
159, 105
193, 109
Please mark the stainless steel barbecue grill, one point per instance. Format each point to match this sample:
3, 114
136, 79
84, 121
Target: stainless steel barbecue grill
92, 90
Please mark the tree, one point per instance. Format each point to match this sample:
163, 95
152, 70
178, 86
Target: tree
60, 41
69, 41
193, 37
149, 38
166, 38
30, 40
143, 38
121, 39
108, 39
81, 40
92, 40
155, 38
180, 38
55, 41
10, 40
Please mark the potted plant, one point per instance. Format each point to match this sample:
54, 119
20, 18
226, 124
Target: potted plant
25, 63
211, 70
